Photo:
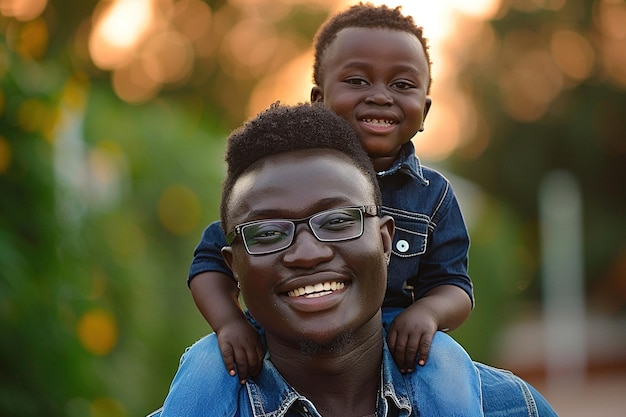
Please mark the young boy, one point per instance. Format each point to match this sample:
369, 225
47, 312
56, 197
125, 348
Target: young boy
373, 69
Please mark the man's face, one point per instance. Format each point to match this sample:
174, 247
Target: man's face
377, 79
296, 185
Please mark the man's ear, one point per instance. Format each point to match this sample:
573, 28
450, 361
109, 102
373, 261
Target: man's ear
387, 229
227, 254
317, 95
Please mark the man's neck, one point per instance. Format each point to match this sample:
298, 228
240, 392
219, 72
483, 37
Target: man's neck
349, 374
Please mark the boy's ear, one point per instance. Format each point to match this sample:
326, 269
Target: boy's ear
317, 95
427, 103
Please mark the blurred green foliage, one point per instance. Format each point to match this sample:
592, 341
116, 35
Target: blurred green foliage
102, 202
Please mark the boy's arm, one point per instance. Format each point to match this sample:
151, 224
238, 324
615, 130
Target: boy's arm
442, 308
449, 304
217, 297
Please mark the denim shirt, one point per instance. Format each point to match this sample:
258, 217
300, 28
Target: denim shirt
430, 244
450, 384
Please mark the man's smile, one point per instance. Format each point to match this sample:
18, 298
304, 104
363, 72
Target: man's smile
317, 290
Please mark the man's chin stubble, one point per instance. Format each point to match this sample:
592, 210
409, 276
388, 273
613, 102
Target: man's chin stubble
337, 346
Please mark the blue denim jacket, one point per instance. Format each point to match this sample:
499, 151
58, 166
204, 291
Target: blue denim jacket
450, 384
430, 245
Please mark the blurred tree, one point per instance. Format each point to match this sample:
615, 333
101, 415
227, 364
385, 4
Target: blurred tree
547, 79
106, 185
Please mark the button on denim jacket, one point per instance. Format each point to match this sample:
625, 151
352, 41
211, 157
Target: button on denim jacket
430, 245
450, 384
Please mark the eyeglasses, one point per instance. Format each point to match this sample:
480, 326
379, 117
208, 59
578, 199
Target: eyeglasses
262, 237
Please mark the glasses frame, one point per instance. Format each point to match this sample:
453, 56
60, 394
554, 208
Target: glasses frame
366, 211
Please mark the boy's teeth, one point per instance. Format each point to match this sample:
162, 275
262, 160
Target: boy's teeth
316, 290
378, 122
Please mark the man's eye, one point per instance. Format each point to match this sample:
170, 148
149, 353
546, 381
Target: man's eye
338, 222
265, 235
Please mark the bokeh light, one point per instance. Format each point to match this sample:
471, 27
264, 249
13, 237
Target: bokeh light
98, 331
610, 19
531, 79
107, 407
36, 116
5, 155
573, 54
22, 9
120, 26
179, 209
32, 41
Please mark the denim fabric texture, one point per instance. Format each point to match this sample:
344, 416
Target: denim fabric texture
430, 245
431, 242
450, 384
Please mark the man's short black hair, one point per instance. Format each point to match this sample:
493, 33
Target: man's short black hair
284, 128
365, 15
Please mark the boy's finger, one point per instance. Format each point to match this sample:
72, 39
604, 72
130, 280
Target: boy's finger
241, 360
399, 353
229, 359
410, 353
424, 349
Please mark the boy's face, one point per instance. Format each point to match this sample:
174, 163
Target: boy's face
296, 185
377, 79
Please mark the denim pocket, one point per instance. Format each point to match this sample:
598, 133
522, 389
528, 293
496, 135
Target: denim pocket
411, 235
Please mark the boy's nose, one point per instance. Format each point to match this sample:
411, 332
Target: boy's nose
379, 95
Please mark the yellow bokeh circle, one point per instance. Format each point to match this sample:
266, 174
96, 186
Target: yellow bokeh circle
98, 331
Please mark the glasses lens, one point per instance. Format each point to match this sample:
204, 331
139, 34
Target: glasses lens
339, 224
267, 236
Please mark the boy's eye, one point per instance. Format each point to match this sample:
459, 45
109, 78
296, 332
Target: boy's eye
356, 81
403, 85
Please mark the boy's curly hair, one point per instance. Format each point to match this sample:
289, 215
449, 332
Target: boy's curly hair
365, 15
284, 128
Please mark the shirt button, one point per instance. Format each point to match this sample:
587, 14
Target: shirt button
402, 245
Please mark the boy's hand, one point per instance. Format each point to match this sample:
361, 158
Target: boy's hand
242, 351
411, 333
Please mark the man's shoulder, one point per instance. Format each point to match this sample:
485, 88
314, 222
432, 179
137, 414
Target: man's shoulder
505, 392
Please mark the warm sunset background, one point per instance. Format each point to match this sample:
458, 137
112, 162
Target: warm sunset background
113, 117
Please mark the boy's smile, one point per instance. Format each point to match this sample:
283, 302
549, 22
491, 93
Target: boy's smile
377, 79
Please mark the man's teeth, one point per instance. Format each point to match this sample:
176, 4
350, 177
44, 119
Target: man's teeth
317, 290
379, 122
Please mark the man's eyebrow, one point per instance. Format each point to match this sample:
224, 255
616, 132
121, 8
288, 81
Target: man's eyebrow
320, 205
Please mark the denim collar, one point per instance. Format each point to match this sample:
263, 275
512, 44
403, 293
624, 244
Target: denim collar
271, 396
406, 163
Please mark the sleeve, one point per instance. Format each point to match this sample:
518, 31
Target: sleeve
207, 255
202, 386
504, 393
445, 261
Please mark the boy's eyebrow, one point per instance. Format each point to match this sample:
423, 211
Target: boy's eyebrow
396, 67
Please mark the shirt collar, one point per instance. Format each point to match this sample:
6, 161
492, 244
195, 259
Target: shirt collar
407, 163
271, 396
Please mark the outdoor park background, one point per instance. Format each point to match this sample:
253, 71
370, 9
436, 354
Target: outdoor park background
113, 116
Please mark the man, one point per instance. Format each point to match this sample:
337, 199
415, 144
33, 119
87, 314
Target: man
309, 249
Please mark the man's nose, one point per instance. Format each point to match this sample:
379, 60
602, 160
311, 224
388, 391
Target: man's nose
306, 250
